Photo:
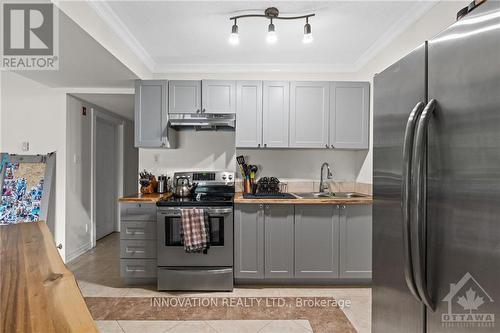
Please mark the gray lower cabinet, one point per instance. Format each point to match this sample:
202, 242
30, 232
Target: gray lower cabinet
302, 242
151, 115
249, 242
138, 241
278, 235
316, 241
356, 241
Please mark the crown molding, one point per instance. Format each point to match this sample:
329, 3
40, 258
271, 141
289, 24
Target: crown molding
108, 15
254, 68
396, 29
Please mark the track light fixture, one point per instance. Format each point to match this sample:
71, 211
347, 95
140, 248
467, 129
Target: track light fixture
271, 14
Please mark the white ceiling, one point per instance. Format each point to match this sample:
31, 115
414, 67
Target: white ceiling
83, 62
121, 104
192, 36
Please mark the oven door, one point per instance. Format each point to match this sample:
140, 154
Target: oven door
171, 248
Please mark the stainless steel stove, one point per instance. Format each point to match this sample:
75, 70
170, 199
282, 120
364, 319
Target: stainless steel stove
213, 270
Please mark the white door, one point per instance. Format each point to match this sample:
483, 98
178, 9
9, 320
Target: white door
309, 110
276, 111
248, 114
106, 177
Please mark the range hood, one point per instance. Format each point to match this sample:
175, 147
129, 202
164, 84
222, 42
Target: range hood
202, 121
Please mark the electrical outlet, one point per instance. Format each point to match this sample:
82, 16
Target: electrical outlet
26, 146
157, 158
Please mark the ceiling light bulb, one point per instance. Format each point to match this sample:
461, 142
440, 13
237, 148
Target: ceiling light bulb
271, 37
308, 37
234, 38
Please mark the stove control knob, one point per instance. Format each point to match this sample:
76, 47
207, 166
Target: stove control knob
230, 177
223, 177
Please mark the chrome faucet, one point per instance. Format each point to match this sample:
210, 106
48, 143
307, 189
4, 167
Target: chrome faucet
329, 175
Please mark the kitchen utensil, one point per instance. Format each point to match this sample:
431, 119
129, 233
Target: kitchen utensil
240, 159
182, 187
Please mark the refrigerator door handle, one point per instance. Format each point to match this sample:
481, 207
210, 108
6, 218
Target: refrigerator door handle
405, 196
419, 186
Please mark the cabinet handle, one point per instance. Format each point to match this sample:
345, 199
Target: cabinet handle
261, 206
258, 145
265, 144
204, 110
198, 111
333, 147
267, 206
326, 146
343, 206
338, 206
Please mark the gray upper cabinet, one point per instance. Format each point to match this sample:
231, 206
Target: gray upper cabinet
151, 117
356, 241
248, 114
184, 96
249, 242
349, 115
276, 113
218, 96
316, 241
278, 234
309, 113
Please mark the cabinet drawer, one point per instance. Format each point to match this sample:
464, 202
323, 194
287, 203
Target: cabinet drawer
138, 211
138, 230
131, 248
138, 268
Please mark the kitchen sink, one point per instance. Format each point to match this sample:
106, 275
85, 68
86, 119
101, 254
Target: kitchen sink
322, 195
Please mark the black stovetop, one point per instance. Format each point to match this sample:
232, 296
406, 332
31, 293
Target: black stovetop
208, 196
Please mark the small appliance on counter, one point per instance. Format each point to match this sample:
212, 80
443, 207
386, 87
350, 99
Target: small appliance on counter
163, 184
212, 191
269, 188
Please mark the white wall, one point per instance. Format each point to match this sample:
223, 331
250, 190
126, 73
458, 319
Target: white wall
79, 179
304, 163
202, 150
79, 176
435, 20
350, 165
36, 114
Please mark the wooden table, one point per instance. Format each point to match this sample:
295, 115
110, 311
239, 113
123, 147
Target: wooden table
37, 292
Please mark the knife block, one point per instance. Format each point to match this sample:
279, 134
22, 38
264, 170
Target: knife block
151, 188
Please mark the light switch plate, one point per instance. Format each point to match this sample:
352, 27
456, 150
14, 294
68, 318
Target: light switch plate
26, 146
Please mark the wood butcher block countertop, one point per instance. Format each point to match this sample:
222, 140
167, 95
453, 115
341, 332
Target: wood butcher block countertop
37, 292
139, 197
368, 200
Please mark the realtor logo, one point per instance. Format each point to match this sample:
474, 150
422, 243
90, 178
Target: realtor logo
467, 305
29, 39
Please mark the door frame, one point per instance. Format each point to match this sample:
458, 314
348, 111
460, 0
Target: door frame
119, 123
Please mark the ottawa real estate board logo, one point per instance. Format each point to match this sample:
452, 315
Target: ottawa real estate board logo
29, 36
468, 305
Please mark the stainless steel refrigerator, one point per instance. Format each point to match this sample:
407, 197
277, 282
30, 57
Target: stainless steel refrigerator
436, 214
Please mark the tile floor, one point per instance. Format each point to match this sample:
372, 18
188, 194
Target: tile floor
98, 275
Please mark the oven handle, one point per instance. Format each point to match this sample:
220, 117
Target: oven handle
211, 211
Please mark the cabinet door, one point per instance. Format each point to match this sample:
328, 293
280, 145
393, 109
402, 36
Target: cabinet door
249, 242
184, 96
316, 241
309, 110
349, 114
278, 226
218, 96
356, 241
276, 112
248, 114
151, 119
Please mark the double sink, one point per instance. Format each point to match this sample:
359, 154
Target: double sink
330, 195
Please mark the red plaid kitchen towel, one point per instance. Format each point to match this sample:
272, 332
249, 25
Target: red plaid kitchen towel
195, 230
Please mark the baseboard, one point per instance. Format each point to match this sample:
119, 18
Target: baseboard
78, 252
